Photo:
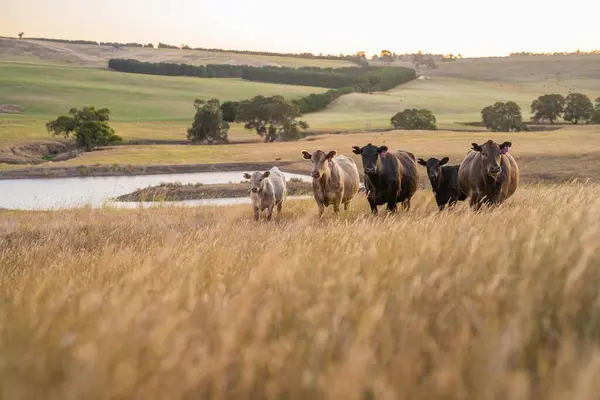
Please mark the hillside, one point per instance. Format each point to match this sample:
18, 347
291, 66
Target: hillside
37, 51
457, 91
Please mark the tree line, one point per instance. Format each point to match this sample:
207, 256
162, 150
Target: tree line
576, 108
303, 76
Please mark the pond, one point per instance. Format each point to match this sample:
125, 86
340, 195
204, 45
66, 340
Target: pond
56, 193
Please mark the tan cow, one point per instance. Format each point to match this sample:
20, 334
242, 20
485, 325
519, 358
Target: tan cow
488, 174
335, 179
268, 190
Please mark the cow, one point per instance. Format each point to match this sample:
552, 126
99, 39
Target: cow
390, 178
335, 179
444, 181
268, 190
488, 174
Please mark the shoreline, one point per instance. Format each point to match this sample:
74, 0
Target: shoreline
132, 170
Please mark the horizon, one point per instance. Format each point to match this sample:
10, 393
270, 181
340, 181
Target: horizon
330, 30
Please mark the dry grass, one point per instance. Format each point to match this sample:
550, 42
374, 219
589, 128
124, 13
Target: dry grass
562, 154
205, 303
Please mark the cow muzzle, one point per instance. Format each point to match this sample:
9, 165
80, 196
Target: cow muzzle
370, 171
315, 174
494, 171
254, 190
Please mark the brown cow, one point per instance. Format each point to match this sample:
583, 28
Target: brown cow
335, 179
488, 174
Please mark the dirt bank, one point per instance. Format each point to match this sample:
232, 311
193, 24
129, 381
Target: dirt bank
177, 191
39, 152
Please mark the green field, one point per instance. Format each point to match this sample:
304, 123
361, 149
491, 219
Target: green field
159, 107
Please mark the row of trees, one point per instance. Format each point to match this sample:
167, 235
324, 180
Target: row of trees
272, 118
556, 53
304, 76
576, 108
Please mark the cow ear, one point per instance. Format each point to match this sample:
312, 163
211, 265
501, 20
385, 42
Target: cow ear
505, 144
356, 150
422, 162
444, 160
306, 154
476, 147
266, 174
382, 149
331, 154
247, 175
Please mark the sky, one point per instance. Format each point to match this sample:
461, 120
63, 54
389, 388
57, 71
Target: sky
473, 28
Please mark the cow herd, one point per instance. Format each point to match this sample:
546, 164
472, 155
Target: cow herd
487, 175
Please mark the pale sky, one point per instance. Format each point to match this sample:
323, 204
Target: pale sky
471, 27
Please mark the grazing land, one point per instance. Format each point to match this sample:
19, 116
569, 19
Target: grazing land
43, 52
549, 156
204, 302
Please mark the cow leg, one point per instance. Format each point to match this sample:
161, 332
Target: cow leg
279, 206
256, 213
336, 206
373, 205
269, 212
321, 209
346, 206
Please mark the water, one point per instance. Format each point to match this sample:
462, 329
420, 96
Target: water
56, 193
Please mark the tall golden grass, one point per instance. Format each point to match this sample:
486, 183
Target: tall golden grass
205, 303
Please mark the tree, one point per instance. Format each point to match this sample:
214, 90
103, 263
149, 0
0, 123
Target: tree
149, 46
548, 107
268, 116
503, 117
596, 115
430, 63
21, 35
208, 126
230, 110
88, 125
414, 119
578, 107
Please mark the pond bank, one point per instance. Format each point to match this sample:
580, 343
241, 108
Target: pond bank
199, 191
131, 170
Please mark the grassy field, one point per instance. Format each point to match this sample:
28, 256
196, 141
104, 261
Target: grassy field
556, 155
205, 303
41, 52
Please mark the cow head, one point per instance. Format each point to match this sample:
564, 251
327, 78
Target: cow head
491, 153
319, 159
434, 169
370, 156
257, 180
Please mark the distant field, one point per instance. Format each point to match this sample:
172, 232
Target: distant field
456, 92
557, 155
37, 51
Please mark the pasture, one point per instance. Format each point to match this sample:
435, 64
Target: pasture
554, 156
204, 302
43, 52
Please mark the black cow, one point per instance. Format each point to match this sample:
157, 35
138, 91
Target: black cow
444, 181
383, 177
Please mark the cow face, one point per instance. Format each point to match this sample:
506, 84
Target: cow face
434, 169
257, 180
319, 159
491, 154
370, 156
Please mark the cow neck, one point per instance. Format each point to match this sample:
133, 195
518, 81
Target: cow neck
327, 170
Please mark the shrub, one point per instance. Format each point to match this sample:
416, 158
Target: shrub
503, 117
208, 126
412, 118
